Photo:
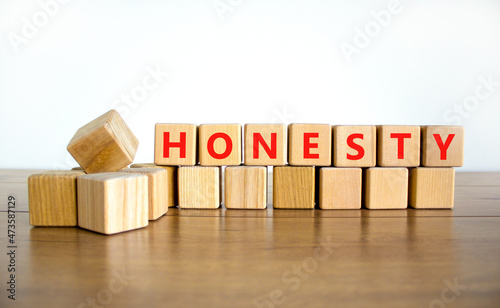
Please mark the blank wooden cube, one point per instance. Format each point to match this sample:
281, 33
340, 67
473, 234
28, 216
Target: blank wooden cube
310, 144
159, 196
245, 187
105, 144
354, 146
175, 144
199, 187
220, 144
340, 188
265, 144
170, 185
431, 188
442, 146
293, 187
398, 146
52, 198
112, 202
386, 188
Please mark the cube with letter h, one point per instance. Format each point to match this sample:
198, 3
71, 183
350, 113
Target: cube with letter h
175, 144
220, 144
310, 144
265, 144
442, 146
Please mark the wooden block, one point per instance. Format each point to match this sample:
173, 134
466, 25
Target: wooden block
199, 187
220, 144
77, 168
245, 187
340, 188
443, 146
265, 144
354, 146
52, 198
175, 144
293, 187
112, 202
159, 196
105, 144
385, 188
310, 144
170, 186
431, 188
398, 146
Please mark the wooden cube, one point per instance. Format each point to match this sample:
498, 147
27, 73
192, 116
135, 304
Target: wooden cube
398, 146
175, 144
431, 188
443, 146
310, 144
160, 198
112, 202
220, 144
52, 198
340, 188
265, 144
170, 185
199, 187
105, 144
354, 146
245, 187
293, 187
386, 188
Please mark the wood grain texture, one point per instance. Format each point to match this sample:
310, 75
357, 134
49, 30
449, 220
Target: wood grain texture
320, 146
220, 146
267, 132
340, 188
431, 188
105, 144
181, 136
160, 196
245, 187
199, 187
387, 146
385, 188
112, 202
453, 156
365, 137
293, 187
170, 186
52, 198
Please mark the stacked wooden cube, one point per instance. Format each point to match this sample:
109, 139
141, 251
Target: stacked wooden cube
331, 167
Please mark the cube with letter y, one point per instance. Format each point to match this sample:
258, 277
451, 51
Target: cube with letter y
309, 144
175, 144
265, 144
220, 144
442, 146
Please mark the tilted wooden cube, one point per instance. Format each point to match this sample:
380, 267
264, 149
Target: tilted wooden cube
160, 198
220, 144
442, 146
310, 144
112, 202
431, 188
265, 145
386, 188
245, 187
52, 198
170, 185
339, 188
293, 187
199, 187
354, 146
398, 146
176, 144
105, 144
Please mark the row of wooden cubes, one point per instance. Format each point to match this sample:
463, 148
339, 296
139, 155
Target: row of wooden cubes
309, 145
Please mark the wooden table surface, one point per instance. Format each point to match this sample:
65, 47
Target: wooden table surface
265, 258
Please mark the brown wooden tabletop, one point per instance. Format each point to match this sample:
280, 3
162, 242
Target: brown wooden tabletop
264, 258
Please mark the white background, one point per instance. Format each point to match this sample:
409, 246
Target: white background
244, 61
